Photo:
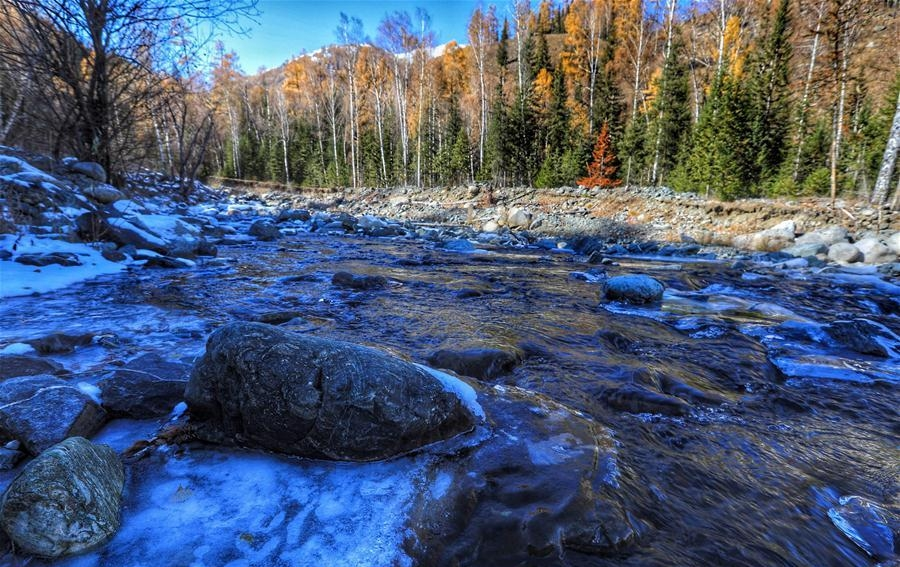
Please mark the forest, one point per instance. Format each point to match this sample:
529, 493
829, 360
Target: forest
726, 98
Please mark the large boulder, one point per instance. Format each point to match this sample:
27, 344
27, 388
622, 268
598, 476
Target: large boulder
260, 386
89, 169
66, 501
519, 218
148, 386
637, 289
844, 253
40, 411
770, 240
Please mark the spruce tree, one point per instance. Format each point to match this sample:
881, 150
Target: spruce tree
671, 124
769, 98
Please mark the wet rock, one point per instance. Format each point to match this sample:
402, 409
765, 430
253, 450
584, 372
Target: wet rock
13, 365
545, 481
359, 282
42, 410
633, 398
637, 289
113, 255
480, 363
9, 458
277, 317
103, 194
260, 386
265, 230
874, 251
66, 501
806, 250
148, 386
89, 169
60, 343
868, 525
61, 258
167, 262
864, 337
289, 215
844, 253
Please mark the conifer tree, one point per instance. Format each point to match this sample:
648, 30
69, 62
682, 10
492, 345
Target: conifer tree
602, 170
671, 115
770, 98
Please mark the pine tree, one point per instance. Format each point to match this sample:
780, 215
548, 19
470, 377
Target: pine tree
671, 123
602, 170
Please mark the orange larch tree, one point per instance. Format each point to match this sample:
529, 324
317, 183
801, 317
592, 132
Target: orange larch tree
602, 171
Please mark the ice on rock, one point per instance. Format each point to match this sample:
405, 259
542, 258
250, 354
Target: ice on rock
211, 509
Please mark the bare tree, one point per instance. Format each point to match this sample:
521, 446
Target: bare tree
97, 61
887, 162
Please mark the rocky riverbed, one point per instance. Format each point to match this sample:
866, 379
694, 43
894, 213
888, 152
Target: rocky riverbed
283, 385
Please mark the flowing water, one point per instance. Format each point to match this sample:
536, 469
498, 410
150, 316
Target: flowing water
782, 423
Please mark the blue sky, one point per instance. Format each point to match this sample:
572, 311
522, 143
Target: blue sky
288, 27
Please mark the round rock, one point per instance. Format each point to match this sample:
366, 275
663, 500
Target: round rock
637, 289
66, 501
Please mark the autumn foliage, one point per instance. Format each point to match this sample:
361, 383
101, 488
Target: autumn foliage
602, 170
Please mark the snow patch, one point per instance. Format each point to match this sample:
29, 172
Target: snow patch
91, 391
19, 279
17, 348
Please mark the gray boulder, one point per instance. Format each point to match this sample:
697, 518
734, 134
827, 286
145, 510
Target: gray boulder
148, 386
806, 250
13, 365
103, 193
844, 253
293, 215
66, 501
265, 230
260, 386
40, 411
875, 251
637, 289
89, 169
827, 236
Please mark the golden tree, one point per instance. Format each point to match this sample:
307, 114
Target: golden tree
602, 171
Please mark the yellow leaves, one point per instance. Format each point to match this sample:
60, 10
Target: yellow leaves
732, 46
543, 86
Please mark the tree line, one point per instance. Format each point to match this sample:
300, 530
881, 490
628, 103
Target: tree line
729, 98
